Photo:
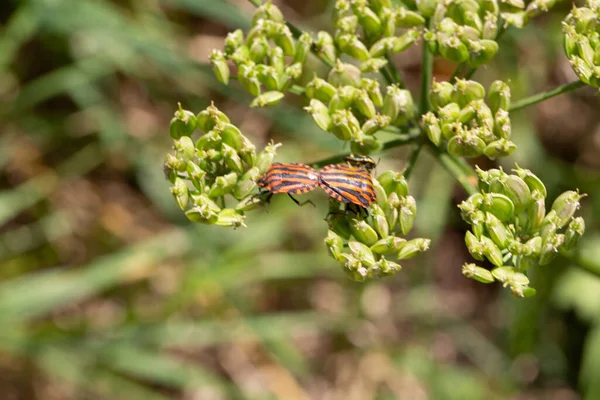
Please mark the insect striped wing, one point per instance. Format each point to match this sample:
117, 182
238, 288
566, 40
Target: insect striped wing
348, 184
292, 178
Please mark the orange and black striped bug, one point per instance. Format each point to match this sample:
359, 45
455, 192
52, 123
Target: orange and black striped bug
359, 161
290, 178
348, 184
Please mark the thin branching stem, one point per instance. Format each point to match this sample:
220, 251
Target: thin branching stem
455, 168
537, 98
412, 161
395, 74
426, 75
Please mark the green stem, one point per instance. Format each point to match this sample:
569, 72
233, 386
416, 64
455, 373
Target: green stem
455, 168
426, 75
412, 161
386, 75
528, 101
297, 89
297, 32
405, 139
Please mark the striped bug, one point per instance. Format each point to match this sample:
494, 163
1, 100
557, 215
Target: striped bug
290, 178
348, 184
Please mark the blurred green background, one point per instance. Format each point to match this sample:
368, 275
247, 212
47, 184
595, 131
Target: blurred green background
108, 292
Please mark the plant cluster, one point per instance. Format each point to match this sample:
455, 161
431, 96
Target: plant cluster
362, 95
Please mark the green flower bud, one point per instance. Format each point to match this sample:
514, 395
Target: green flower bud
320, 89
223, 185
426, 7
449, 113
392, 181
432, 128
379, 221
388, 22
182, 124
388, 267
482, 51
574, 231
364, 104
233, 40
320, 114
353, 268
362, 253
503, 274
248, 204
250, 82
268, 11
466, 91
549, 226
585, 50
347, 24
335, 245
490, 26
499, 205
477, 273
268, 76
344, 74
408, 213
583, 70
247, 151
465, 144
474, 246
491, 251
372, 88
408, 19
390, 244
364, 144
265, 157
398, 105
302, 48
196, 175
516, 19
267, 99
232, 159
380, 194
325, 47
413, 248
346, 126
369, 21
431, 41
230, 217
220, 67
241, 56
247, 183
470, 206
202, 214
209, 141
550, 248
532, 181
533, 246
453, 49
171, 166
207, 119
342, 99
185, 148
228, 133
565, 206
181, 193
277, 59
518, 192
467, 113
258, 49
363, 232
441, 94
285, 40
351, 45
373, 65
499, 96
502, 127
392, 212
497, 231
378, 122
536, 211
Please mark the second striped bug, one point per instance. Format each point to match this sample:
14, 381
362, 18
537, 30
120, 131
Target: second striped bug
348, 184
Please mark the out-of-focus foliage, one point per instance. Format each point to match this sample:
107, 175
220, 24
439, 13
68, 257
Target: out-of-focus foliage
108, 292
